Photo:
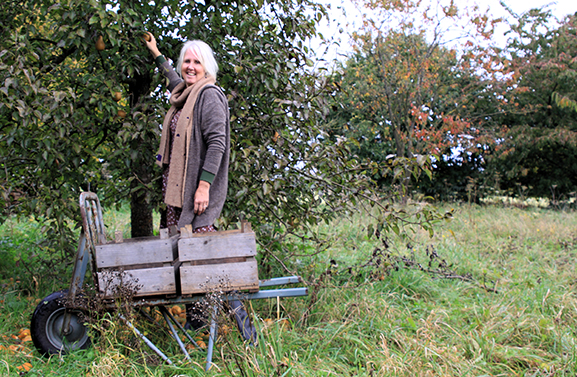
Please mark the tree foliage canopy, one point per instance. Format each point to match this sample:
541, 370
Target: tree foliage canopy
537, 152
492, 118
404, 91
64, 131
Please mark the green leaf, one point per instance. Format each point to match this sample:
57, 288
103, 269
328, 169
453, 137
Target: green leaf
266, 188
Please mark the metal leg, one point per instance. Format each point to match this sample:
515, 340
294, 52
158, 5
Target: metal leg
212, 337
166, 315
145, 339
80, 265
179, 326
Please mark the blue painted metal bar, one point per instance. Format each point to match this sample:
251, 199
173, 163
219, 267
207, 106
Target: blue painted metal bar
145, 339
182, 329
166, 315
211, 337
80, 265
273, 293
280, 281
167, 300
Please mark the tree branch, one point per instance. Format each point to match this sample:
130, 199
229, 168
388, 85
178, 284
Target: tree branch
66, 52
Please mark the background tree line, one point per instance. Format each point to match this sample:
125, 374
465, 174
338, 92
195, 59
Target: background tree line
494, 120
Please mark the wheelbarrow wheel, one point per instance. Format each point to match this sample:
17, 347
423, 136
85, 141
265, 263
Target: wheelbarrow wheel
46, 326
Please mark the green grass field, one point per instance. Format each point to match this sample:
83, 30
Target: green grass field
497, 299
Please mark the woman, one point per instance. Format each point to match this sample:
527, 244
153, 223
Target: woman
194, 147
194, 151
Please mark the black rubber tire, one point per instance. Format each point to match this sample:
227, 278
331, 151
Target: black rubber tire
46, 325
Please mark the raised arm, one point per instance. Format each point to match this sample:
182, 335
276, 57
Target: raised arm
164, 66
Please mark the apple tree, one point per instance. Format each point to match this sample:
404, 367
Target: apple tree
82, 101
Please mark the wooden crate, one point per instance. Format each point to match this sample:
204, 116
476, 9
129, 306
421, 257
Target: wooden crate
145, 263
218, 261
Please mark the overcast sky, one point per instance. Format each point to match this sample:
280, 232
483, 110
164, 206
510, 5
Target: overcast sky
560, 7
339, 24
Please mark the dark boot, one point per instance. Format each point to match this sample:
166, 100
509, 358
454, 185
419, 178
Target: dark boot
243, 322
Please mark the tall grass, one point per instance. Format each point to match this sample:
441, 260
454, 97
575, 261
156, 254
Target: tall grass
502, 305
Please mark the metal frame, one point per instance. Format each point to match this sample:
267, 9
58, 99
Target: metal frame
93, 233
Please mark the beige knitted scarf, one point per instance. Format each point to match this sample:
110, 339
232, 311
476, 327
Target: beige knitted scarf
182, 97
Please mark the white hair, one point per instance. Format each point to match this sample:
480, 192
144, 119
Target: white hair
204, 54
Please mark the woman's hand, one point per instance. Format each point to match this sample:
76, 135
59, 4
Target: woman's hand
201, 197
151, 44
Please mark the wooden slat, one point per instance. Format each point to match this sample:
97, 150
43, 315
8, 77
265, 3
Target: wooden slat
136, 251
152, 281
219, 277
228, 244
141, 266
214, 261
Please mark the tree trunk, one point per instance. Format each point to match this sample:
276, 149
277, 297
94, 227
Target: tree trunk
407, 174
140, 215
140, 200
140, 209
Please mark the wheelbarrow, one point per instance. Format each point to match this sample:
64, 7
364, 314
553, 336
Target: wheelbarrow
176, 269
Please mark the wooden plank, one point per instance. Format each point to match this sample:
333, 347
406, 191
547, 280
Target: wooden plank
164, 233
137, 251
219, 277
118, 237
217, 245
214, 261
147, 281
141, 266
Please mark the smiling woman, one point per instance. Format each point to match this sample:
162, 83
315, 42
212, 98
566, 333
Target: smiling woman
194, 151
195, 143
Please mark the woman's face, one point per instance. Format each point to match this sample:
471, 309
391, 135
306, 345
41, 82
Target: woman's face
191, 70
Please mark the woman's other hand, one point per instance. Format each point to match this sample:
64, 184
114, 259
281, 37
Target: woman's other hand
201, 197
151, 44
